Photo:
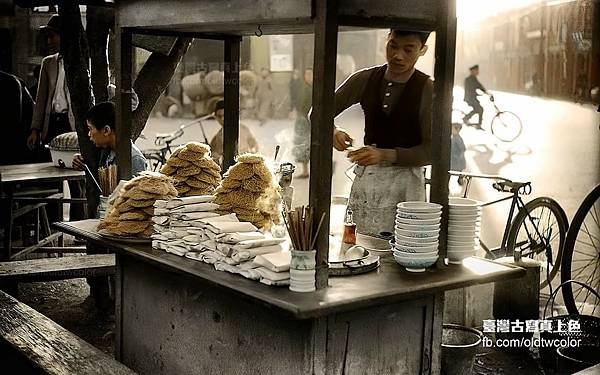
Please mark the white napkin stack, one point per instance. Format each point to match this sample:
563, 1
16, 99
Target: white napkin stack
175, 220
190, 227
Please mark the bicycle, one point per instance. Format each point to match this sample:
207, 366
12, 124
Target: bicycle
536, 229
505, 125
157, 157
581, 259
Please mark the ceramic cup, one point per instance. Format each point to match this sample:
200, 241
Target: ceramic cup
303, 260
302, 280
102, 207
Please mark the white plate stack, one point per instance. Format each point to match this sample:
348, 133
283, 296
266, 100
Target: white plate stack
416, 235
463, 228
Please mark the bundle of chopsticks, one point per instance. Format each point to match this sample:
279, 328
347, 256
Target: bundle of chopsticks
108, 179
300, 226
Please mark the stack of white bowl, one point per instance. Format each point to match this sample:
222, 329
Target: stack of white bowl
416, 235
463, 228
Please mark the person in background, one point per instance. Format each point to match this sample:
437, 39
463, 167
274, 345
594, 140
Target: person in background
102, 132
16, 107
302, 125
247, 142
296, 84
53, 115
264, 96
472, 84
457, 155
396, 100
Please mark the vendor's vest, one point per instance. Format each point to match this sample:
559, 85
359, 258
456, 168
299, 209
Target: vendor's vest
401, 128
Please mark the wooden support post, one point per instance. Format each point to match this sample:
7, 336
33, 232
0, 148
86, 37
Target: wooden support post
7, 220
321, 137
445, 43
231, 127
123, 96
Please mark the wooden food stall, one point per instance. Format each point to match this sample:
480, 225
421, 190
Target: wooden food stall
178, 316
174, 315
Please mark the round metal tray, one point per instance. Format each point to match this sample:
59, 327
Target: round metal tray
354, 267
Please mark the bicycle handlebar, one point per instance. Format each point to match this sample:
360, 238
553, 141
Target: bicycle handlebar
162, 139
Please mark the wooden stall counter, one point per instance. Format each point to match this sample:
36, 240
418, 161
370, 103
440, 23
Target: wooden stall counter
177, 315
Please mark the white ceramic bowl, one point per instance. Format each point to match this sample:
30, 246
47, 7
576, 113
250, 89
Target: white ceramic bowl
427, 254
468, 251
417, 234
400, 220
462, 202
454, 243
456, 257
464, 224
418, 215
419, 207
472, 217
419, 228
462, 246
464, 211
454, 237
413, 264
416, 249
415, 241
473, 232
458, 220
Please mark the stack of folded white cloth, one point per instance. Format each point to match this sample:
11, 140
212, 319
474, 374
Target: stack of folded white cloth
189, 227
174, 219
233, 246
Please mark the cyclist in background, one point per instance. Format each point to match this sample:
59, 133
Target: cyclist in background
472, 84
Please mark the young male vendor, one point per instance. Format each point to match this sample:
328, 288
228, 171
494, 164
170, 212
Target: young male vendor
396, 100
101, 130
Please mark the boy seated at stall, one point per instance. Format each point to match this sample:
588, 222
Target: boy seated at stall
101, 130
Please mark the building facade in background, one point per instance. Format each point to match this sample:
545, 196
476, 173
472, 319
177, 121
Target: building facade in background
546, 49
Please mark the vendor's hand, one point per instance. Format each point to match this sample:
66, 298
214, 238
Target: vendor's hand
78, 162
341, 139
367, 155
33, 139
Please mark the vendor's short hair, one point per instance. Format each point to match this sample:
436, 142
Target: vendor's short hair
422, 35
476, 66
101, 115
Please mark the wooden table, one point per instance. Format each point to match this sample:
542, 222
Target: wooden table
176, 315
12, 180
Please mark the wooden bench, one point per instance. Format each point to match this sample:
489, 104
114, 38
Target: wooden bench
30, 343
51, 269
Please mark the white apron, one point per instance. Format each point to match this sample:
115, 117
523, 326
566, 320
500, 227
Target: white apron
377, 189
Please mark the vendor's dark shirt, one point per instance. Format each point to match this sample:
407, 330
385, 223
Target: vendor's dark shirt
352, 90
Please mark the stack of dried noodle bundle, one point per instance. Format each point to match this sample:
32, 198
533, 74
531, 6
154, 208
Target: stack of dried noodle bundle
131, 214
249, 191
195, 173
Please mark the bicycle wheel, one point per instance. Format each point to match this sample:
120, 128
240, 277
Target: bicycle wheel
155, 162
539, 230
581, 258
506, 126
